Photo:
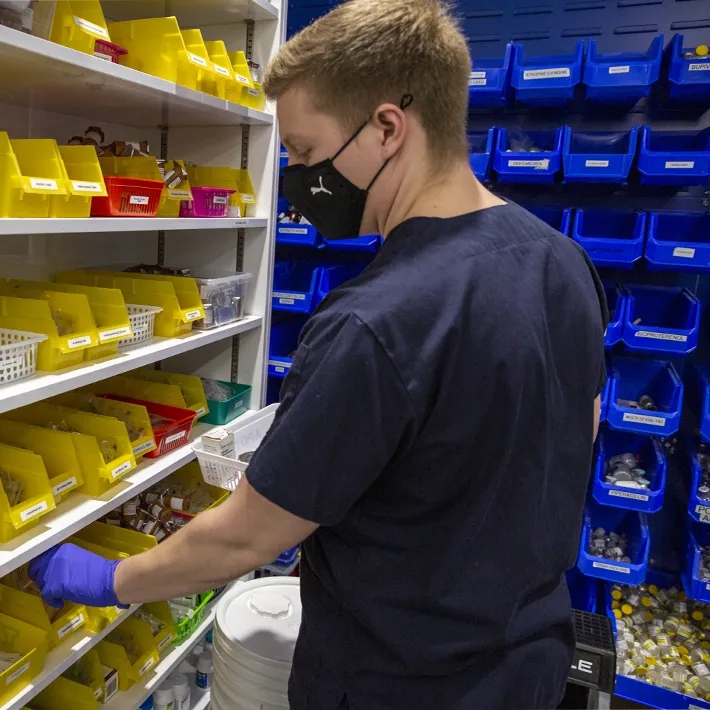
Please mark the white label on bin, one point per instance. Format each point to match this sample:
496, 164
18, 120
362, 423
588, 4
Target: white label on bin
43, 184
97, 693
220, 200
477, 82
626, 494
703, 512
242, 79
64, 486
222, 70
17, 673
180, 194
252, 92
175, 437
537, 164
289, 298
477, 75
246, 197
662, 336
685, 252
192, 315
705, 66
596, 163
86, 186
559, 73
679, 165
201, 411
35, 510
123, 332
73, 624
126, 466
282, 365
622, 69
293, 230
195, 59
613, 568
139, 200
165, 642
145, 446
146, 667
644, 419
79, 342
91, 27
101, 55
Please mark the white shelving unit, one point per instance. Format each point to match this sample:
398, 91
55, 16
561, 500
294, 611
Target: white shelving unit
51, 91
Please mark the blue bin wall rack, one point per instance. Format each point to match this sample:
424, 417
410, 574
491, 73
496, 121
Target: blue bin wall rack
480, 151
674, 157
620, 521
300, 286
546, 80
688, 79
598, 156
282, 345
294, 234
621, 77
525, 166
612, 238
616, 298
670, 320
652, 459
698, 509
367, 243
678, 241
631, 378
701, 375
489, 81
558, 218
698, 535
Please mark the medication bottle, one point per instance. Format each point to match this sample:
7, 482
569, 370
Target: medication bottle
208, 641
181, 691
205, 670
163, 697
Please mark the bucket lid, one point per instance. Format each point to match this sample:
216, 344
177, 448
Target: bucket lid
263, 617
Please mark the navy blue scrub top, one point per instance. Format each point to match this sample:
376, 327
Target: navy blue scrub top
437, 423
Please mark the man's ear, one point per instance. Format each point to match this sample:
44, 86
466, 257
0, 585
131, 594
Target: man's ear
391, 121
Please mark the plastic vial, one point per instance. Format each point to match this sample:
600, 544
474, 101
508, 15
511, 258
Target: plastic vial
163, 697
205, 671
181, 691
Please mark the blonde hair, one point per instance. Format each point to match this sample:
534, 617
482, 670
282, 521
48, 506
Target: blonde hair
368, 52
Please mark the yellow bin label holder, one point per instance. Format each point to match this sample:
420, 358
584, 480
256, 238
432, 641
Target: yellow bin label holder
84, 181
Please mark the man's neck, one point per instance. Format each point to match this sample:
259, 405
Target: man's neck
455, 194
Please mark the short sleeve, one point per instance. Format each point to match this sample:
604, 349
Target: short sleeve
345, 414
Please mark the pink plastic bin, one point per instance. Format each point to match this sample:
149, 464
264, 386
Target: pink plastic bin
207, 202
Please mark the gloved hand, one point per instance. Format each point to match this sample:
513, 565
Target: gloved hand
70, 573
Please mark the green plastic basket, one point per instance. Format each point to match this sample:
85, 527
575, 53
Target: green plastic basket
187, 627
223, 412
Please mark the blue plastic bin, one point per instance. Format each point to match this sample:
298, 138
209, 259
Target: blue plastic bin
283, 342
582, 591
674, 157
546, 80
621, 78
698, 536
702, 384
559, 218
620, 521
616, 302
489, 81
480, 151
670, 320
283, 158
650, 452
598, 156
612, 238
688, 79
525, 166
698, 510
678, 241
604, 400
367, 243
288, 557
630, 379
298, 235
299, 287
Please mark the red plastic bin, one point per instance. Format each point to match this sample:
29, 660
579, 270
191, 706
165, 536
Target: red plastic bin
171, 436
128, 197
207, 202
108, 50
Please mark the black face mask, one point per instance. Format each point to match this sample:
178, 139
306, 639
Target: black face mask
325, 197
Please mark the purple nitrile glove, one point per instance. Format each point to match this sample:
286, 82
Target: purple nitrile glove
70, 573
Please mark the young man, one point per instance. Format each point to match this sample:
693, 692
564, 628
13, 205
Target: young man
433, 442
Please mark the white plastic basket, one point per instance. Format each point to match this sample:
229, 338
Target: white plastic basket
226, 472
142, 320
18, 354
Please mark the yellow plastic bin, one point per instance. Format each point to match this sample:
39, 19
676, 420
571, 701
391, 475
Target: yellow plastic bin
40, 312
226, 86
30, 608
134, 416
197, 54
242, 75
108, 308
161, 610
136, 638
190, 386
189, 477
62, 694
31, 172
175, 192
114, 656
126, 386
35, 496
124, 541
156, 47
245, 193
56, 449
77, 24
84, 181
31, 643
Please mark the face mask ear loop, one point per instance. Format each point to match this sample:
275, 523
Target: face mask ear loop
351, 139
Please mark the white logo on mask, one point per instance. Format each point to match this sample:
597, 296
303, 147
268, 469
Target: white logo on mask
322, 188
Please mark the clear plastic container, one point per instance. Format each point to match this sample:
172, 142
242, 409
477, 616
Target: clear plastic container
223, 297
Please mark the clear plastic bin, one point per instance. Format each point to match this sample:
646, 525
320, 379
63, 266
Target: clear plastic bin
223, 297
